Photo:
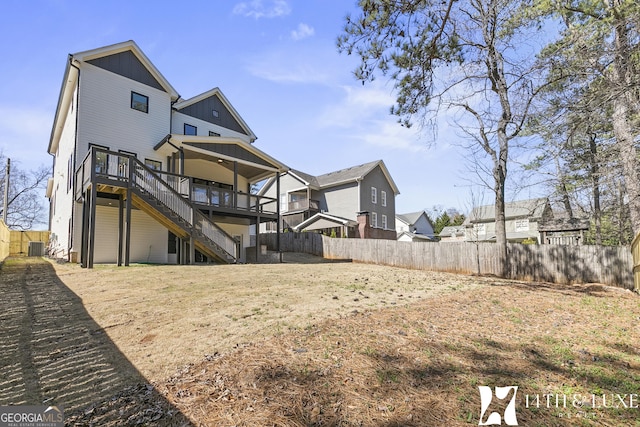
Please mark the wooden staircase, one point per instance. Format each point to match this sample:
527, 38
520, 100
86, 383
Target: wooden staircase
160, 201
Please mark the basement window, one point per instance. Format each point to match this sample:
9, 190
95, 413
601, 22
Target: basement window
139, 102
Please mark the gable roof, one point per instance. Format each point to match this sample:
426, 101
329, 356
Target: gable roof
71, 74
323, 220
531, 208
457, 230
98, 57
415, 236
342, 176
307, 179
354, 174
411, 218
212, 98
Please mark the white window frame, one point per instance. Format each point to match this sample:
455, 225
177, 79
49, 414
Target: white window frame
383, 198
374, 220
384, 222
522, 225
284, 203
480, 229
374, 195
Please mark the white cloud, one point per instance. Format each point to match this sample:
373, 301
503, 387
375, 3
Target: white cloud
303, 31
289, 66
358, 104
258, 9
364, 113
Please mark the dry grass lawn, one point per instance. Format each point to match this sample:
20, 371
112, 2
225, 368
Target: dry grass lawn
163, 317
341, 344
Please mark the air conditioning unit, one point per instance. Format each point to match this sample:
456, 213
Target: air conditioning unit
36, 248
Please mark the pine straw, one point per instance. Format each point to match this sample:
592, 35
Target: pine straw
420, 365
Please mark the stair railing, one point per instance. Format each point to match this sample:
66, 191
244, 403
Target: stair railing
146, 179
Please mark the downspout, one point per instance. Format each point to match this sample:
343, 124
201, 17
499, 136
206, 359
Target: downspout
75, 160
181, 153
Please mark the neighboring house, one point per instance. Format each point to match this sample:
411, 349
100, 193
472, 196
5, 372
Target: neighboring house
414, 227
452, 233
521, 220
142, 175
355, 202
563, 230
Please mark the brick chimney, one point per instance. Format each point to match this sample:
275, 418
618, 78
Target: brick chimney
364, 227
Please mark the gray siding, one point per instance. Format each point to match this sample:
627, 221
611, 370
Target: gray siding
377, 179
341, 200
203, 110
127, 65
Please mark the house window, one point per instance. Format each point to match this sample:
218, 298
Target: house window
522, 225
480, 229
374, 219
172, 243
374, 195
153, 164
70, 173
139, 102
102, 159
190, 130
383, 198
211, 133
215, 113
384, 220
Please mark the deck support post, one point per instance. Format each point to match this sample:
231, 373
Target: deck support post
92, 225
278, 214
120, 228
85, 230
192, 250
127, 230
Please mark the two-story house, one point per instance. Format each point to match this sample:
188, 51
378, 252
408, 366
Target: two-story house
522, 219
143, 175
414, 227
358, 201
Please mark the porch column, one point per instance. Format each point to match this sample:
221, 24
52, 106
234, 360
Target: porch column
235, 184
258, 236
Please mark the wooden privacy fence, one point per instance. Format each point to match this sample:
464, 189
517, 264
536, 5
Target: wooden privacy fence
5, 241
549, 263
635, 250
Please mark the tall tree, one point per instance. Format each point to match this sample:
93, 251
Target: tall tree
26, 207
454, 54
600, 44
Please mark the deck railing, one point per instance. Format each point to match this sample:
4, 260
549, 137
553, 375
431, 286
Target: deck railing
304, 204
115, 166
165, 188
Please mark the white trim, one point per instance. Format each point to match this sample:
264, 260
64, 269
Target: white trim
216, 91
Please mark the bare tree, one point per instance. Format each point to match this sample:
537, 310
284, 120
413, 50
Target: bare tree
26, 203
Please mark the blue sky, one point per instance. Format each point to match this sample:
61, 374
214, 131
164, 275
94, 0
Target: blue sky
275, 60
